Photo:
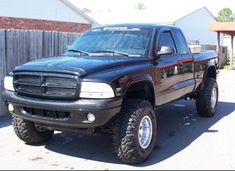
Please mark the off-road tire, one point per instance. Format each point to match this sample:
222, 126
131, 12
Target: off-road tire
28, 133
203, 99
125, 131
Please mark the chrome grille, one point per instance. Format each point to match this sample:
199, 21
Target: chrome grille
47, 85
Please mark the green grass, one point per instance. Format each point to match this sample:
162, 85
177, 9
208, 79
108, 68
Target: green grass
225, 66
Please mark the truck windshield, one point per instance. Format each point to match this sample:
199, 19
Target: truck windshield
124, 41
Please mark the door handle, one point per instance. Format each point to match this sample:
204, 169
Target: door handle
181, 64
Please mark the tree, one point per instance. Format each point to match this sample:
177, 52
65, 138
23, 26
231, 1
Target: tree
225, 15
140, 6
86, 10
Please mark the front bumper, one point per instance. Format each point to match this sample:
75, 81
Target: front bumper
104, 110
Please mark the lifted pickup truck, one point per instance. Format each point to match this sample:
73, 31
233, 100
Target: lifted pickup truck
110, 80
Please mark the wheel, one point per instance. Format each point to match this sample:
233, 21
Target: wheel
135, 131
207, 99
29, 132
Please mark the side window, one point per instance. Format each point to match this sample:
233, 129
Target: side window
182, 46
166, 39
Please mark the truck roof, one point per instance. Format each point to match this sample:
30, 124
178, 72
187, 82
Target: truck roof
143, 25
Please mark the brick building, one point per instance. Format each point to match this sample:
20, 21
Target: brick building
50, 15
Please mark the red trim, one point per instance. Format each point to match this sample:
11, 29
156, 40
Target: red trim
177, 63
167, 66
185, 60
168, 90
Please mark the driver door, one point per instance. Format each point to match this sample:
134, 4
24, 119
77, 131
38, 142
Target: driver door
169, 72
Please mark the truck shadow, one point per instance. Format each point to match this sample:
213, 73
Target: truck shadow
178, 126
5, 121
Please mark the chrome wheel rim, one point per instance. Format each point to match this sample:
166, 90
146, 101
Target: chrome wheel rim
145, 132
213, 97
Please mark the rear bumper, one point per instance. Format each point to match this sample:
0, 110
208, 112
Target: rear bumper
104, 110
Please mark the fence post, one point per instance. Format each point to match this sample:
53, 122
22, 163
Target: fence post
2, 68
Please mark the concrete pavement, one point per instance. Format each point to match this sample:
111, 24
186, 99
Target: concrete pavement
184, 141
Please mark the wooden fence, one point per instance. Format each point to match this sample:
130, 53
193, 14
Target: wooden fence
20, 46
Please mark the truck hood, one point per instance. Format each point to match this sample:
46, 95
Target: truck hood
80, 65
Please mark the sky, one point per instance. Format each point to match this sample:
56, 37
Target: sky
157, 11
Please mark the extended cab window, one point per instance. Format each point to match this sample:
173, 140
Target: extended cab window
182, 47
166, 39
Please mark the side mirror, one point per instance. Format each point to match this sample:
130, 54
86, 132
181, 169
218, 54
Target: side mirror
67, 48
165, 50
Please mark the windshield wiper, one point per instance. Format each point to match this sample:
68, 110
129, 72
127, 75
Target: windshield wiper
79, 51
112, 51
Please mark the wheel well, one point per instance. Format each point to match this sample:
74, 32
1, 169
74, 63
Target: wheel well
142, 90
211, 72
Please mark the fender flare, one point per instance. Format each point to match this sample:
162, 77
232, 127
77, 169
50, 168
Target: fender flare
131, 80
210, 64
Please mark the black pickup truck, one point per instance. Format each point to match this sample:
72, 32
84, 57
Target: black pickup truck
111, 80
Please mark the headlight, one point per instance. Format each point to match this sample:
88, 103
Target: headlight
8, 83
96, 90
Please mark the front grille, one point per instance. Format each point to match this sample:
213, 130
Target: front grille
46, 113
47, 85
